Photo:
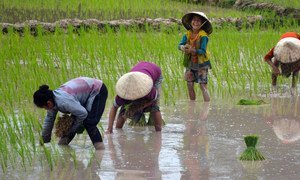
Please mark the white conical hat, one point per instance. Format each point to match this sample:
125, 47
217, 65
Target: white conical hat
186, 21
287, 50
134, 85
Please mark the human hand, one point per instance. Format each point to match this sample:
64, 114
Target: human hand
182, 47
185, 48
275, 70
192, 50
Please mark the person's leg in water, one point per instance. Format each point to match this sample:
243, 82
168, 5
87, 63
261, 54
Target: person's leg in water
205, 93
157, 118
191, 90
202, 80
121, 118
190, 77
94, 116
295, 77
295, 74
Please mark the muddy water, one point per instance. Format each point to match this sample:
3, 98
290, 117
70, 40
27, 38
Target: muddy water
199, 141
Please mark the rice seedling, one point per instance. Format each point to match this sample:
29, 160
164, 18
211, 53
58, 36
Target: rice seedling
250, 102
27, 61
63, 125
251, 153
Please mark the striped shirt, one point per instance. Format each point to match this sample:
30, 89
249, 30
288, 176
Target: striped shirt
75, 97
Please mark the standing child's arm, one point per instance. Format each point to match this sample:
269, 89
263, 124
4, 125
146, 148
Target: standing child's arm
182, 43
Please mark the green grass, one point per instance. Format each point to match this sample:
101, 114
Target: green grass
53, 10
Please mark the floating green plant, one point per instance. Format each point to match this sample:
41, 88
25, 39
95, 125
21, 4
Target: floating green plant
251, 153
251, 102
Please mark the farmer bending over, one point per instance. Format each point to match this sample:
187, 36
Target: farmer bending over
286, 55
140, 86
84, 98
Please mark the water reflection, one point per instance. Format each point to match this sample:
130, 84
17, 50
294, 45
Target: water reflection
135, 155
196, 143
77, 163
284, 119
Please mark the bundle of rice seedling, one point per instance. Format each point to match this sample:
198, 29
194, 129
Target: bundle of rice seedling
141, 121
251, 153
63, 125
135, 112
136, 107
250, 102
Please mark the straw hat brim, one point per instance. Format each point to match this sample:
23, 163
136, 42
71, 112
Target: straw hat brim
186, 21
134, 85
287, 50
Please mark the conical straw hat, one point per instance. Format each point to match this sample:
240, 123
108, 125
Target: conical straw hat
187, 18
287, 50
134, 85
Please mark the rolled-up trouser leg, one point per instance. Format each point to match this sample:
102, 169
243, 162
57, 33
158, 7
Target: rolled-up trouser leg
94, 116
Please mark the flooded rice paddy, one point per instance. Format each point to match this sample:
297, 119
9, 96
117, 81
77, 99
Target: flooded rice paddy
199, 141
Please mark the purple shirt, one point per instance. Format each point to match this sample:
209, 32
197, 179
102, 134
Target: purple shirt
153, 71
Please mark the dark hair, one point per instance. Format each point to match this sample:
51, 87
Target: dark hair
41, 96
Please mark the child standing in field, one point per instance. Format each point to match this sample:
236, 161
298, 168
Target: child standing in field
196, 57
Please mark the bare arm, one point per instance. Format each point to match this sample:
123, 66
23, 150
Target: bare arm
111, 119
275, 69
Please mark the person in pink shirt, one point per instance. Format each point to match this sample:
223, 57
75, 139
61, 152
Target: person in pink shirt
141, 84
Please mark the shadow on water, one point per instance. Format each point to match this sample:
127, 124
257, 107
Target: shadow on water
199, 141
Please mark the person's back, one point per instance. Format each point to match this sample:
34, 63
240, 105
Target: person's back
84, 89
286, 56
148, 68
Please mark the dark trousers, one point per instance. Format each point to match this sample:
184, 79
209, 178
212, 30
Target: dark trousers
94, 116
